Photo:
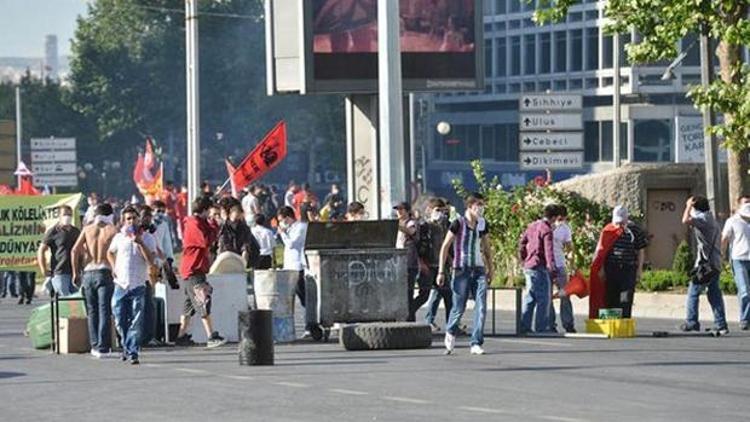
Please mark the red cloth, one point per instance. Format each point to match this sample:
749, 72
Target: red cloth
170, 201
181, 210
197, 238
597, 285
262, 159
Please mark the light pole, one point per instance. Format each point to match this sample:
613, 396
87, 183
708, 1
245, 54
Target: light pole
193, 100
616, 112
19, 131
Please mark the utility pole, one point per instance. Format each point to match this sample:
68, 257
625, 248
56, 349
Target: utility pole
713, 181
390, 103
19, 131
193, 101
616, 117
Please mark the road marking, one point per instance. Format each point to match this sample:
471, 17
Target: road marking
561, 419
153, 365
538, 343
482, 410
292, 384
237, 377
406, 400
191, 371
349, 392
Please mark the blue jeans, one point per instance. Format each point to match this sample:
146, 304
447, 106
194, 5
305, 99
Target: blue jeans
714, 298
63, 284
25, 284
98, 288
566, 307
537, 298
433, 300
742, 280
466, 281
127, 306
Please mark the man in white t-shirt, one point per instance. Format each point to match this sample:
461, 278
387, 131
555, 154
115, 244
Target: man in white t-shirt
251, 205
562, 239
736, 235
293, 234
131, 252
266, 242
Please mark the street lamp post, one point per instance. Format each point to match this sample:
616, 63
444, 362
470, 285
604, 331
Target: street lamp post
193, 100
713, 179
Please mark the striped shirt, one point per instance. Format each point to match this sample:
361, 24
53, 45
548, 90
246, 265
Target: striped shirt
466, 249
625, 250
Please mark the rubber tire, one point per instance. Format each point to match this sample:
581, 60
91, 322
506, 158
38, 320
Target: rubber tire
386, 336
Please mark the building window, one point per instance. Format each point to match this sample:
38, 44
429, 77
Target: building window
500, 58
607, 52
561, 51
592, 15
529, 42
500, 88
545, 53
575, 17
500, 7
515, 55
514, 6
607, 146
544, 86
488, 142
575, 84
591, 141
592, 83
576, 50
529, 87
561, 85
488, 57
592, 48
513, 88
653, 141
529, 5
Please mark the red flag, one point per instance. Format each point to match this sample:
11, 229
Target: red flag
230, 170
148, 173
263, 158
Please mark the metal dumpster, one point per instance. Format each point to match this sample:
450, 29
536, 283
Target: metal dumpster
355, 273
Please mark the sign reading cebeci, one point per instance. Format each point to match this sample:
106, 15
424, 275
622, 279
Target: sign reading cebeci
552, 141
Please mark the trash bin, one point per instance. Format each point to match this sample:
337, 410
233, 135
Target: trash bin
356, 273
274, 291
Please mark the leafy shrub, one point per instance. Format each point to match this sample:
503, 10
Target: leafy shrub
683, 259
662, 280
726, 281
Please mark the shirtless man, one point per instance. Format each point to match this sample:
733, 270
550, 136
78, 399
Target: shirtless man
91, 248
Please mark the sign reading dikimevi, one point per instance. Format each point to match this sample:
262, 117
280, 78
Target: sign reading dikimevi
23, 222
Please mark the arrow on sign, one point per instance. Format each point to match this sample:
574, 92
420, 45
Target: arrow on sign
527, 160
526, 102
526, 141
527, 122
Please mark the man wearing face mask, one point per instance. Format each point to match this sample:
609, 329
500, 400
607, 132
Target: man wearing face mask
536, 251
435, 229
59, 240
407, 238
293, 234
562, 238
163, 231
472, 271
235, 235
149, 310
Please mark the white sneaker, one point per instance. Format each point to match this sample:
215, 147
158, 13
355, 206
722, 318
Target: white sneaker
96, 354
435, 328
477, 350
450, 343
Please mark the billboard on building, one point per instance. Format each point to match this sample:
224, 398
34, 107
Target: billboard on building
442, 45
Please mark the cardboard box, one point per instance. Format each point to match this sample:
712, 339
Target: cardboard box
74, 335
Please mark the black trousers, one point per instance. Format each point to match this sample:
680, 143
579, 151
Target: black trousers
620, 287
264, 263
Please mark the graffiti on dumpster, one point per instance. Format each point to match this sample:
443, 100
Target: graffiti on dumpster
367, 279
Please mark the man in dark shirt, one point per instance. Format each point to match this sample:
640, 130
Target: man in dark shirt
536, 251
59, 240
435, 228
624, 264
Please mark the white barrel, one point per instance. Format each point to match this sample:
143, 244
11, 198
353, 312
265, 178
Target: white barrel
274, 291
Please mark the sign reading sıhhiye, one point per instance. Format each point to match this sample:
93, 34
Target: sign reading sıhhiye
550, 102
54, 161
551, 160
552, 141
690, 140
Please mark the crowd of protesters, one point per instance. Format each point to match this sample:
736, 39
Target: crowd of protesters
123, 249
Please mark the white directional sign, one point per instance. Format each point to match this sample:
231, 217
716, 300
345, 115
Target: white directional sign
559, 141
56, 180
47, 144
550, 102
54, 168
556, 121
552, 160
52, 156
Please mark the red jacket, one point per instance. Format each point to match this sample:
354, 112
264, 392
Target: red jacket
198, 236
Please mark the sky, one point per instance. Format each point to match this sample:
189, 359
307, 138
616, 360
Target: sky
24, 23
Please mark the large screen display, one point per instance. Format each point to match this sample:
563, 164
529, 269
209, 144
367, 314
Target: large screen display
441, 43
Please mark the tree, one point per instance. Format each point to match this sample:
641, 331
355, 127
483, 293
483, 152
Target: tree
661, 24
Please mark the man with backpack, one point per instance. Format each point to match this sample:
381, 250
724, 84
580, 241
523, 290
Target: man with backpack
432, 232
698, 215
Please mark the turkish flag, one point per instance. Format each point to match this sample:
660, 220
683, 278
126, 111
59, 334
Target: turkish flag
262, 159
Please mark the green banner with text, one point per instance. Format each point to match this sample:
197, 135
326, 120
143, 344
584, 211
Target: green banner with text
23, 222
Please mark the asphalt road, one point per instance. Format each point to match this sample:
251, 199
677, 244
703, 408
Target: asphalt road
685, 378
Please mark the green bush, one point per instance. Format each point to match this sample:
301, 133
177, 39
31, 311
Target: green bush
662, 280
726, 281
683, 259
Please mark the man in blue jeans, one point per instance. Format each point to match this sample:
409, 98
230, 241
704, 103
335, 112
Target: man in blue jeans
737, 233
131, 252
472, 271
98, 285
536, 251
698, 215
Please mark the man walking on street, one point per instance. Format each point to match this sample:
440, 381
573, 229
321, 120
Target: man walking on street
562, 238
435, 229
98, 286
472, 271
59, 240
698, 215
536, 251
407, 239
736, 234
293, 234
199, 234
131, 252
